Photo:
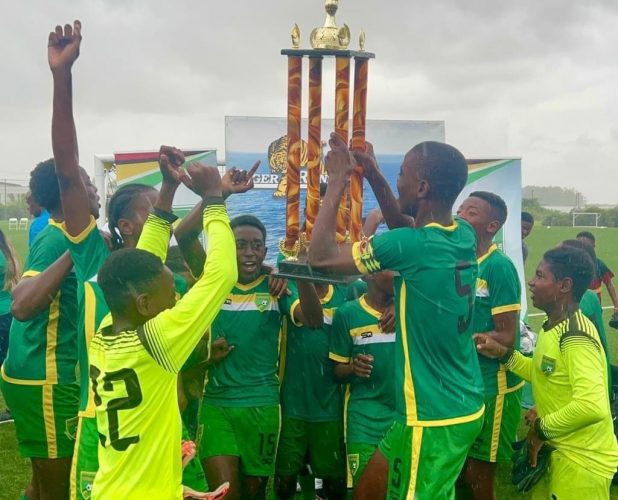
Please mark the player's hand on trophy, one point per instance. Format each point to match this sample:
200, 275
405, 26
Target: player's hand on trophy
339, 162
367, 158
238, 181
205, 181
63, 46
171, 161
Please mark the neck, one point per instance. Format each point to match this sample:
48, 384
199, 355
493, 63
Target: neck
57, 215
321, 290
124, 324
559, 312
248, 279
483, 244
378, 300
432, 212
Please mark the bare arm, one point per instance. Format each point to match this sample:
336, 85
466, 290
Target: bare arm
324, 253
35, 292
612, 294
505, 330
310, 312
386, 199
63, 50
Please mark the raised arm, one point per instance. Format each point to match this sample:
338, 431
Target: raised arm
324, 253
172, 335
62, 51
389, 205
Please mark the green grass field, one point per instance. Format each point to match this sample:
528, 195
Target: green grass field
15, 471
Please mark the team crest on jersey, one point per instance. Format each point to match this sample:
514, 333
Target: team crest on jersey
85, 484
548, 365
262, 301
353, 463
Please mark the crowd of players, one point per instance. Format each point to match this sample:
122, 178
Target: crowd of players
208, 373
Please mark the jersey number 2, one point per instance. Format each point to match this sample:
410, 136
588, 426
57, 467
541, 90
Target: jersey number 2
134, 397
463, 322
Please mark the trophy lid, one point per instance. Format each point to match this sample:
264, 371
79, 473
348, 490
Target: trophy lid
329, 36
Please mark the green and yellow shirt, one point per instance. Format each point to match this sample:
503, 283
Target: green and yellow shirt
309, 390
250, 320
370, 402
43, 350
437, 377
498, 290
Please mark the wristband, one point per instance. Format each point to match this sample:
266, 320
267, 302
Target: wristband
213, 200
165, 215
504, 359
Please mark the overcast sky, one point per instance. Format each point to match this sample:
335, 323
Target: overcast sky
528, 78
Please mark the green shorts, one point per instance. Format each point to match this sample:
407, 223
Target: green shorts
320, 444
359, 455
502, 416
248, 433
45, 416
193, 475
425, 462
567, 480
85, 459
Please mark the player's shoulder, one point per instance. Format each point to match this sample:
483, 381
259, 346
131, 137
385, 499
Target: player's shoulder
349, 308
499, 259
577, 330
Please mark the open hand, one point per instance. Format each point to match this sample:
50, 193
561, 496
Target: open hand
63, 46
339, 162
238, 181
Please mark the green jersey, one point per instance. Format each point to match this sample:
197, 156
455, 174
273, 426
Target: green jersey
498, 290
370, 402
308, 389
5, 295
591, 308
43, 350
250, 320
569, 383
437, 376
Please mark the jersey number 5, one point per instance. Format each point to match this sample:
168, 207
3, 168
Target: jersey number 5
134, 397
463, 322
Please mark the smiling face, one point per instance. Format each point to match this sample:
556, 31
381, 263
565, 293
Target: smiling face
250, 252
479, 214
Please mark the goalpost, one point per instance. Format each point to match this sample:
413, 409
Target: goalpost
586, 219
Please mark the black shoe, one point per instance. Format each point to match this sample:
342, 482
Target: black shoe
6, 417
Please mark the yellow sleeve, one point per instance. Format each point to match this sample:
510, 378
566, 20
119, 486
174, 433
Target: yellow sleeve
155, 237
173, 334
585, 365
520, 365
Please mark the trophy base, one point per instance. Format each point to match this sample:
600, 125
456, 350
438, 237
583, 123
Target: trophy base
300, 270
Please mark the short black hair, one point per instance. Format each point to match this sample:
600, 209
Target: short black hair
497, 204
586, 234
44, 185
570, 262
120, 205
444, 167
127, 270
586, 248
527, 217
248, 220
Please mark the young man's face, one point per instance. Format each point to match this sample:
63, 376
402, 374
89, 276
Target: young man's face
250, 252
479, 214
131, 226
93, 195
408, 185
383, 281
545, 290
526, 228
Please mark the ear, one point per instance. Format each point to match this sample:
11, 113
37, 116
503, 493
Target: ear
142, 304
493, 227
125, 226
566, 285
423, 188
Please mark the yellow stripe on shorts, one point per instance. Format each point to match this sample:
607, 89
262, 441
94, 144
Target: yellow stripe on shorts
75, 461
417, 439
495, 433
50, 422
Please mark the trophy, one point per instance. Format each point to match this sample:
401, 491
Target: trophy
326, 41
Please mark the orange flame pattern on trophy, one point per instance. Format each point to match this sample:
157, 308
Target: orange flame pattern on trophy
361, 70
314, 150
342, 117
294, 151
